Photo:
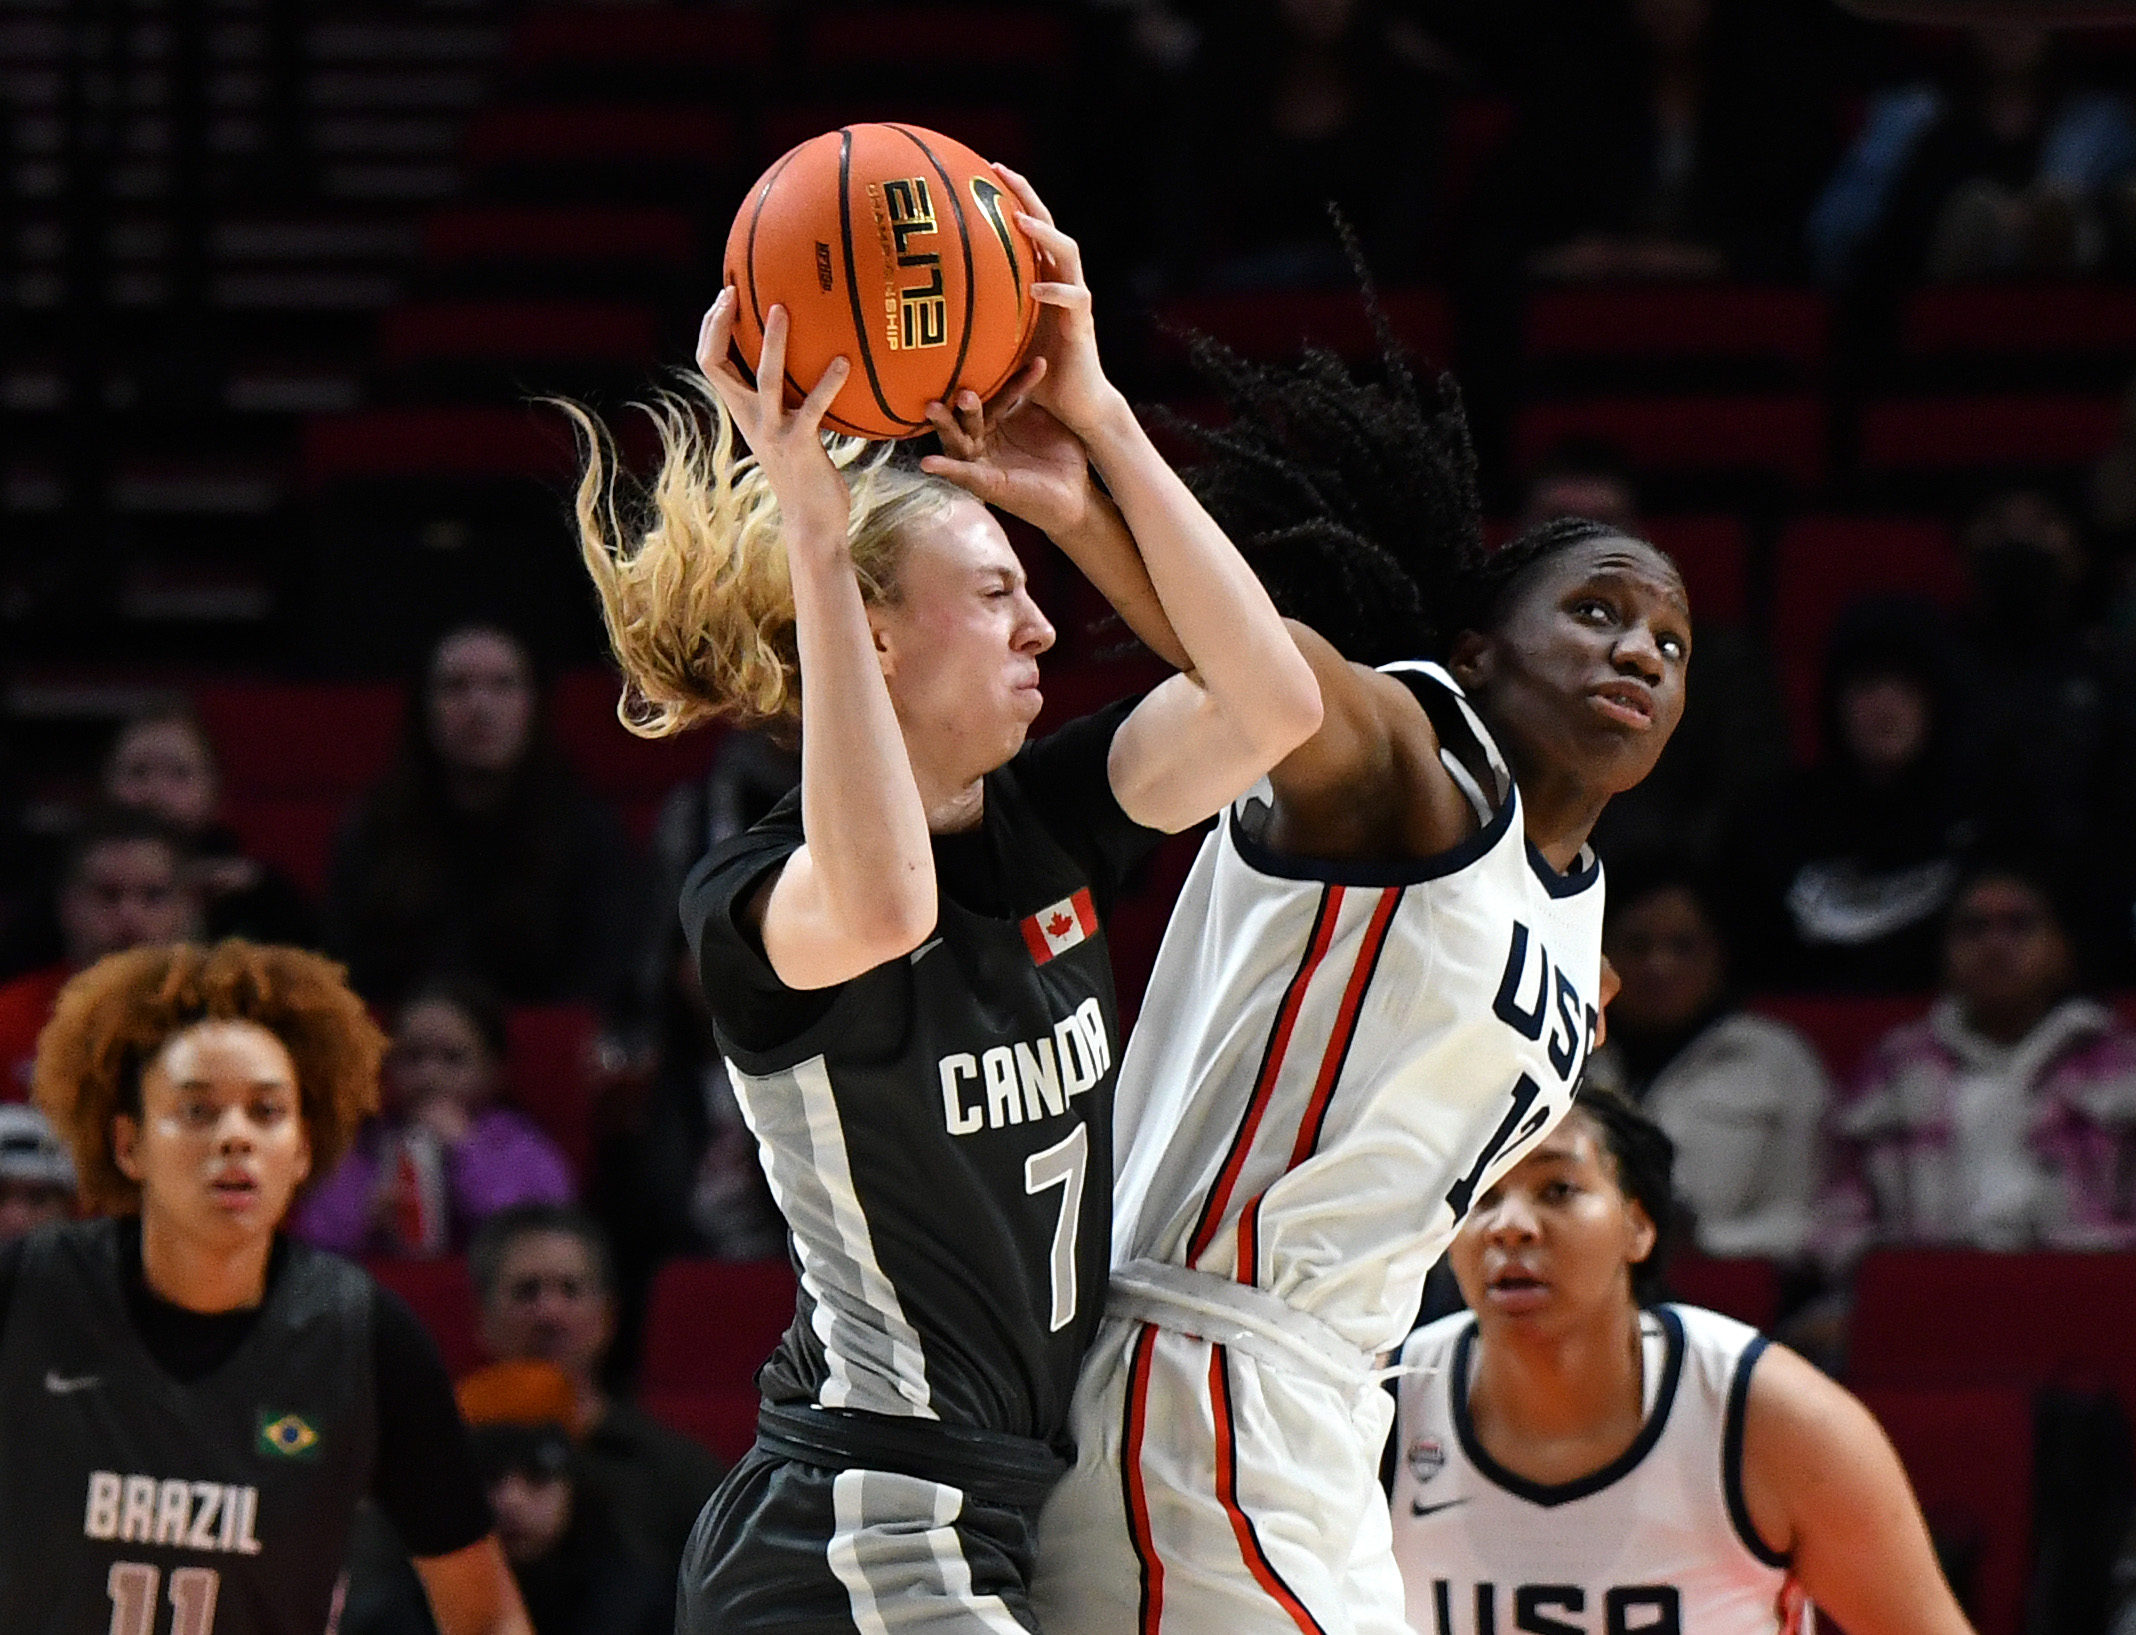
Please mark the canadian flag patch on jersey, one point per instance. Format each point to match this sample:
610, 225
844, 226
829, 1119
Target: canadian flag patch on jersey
1057, 929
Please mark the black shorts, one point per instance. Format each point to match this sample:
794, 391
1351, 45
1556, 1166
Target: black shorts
803, 1547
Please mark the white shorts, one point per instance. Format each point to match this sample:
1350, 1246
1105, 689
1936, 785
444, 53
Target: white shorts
1218, 1491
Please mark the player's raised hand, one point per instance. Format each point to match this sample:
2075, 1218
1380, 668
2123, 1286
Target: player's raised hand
1013, 454
814, 503
1074, 387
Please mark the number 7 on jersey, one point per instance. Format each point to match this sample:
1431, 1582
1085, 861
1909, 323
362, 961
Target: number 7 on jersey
1062, 1165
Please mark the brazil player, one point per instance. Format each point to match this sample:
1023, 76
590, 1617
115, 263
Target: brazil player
1572, 1454
193, 1404
906, 961
1377, 991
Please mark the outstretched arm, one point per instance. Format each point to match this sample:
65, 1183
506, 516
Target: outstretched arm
471, 1591
1824, 1487
1247, 697
861, 889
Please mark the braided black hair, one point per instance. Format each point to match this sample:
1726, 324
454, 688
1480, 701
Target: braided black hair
1645, 1161
1355, 501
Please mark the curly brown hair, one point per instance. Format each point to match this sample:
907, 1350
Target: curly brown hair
111, 1020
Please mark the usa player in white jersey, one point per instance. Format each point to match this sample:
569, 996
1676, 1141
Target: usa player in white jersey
1574, 1455
1376, 994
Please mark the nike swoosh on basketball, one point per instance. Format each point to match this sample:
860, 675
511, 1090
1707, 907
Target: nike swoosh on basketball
1416, 1509
64, 1384
924, 950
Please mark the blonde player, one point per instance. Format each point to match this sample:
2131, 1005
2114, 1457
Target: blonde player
1376, 994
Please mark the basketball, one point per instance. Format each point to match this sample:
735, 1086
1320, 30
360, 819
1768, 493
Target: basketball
896, 248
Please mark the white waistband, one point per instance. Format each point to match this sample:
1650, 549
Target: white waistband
1240, 1315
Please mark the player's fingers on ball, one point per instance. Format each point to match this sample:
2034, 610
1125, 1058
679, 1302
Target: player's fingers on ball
954, 440
1017, 392
1026, 194
818, 402
1057, 246
980, 481
715, 334
1072, 297
771, 362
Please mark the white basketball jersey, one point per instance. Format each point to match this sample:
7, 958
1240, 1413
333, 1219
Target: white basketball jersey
1334, 1059
1658, 1542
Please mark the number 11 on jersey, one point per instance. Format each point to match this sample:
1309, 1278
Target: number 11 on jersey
1062, 1165
132, 1587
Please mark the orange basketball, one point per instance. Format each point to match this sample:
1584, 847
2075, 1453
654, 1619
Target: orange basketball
897, 249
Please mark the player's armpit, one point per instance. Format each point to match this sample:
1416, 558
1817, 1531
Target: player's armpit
1368, 784
1823, 1485
471, 1591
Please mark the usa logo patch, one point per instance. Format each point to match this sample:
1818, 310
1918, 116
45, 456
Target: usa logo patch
1426, 1458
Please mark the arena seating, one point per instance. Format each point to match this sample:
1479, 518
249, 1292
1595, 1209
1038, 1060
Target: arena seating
709, 1326
1747, 1290
1777, 439
443, 1298
1968, 1450
547, 1072
1823, 563
1267, 327
1749, 335
2020, 334
1842, 1026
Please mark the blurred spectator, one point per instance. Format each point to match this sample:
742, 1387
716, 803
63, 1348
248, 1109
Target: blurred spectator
1664, 139
162, 762
575, 1574
1743, 1097
2002, 1120
444, 1156
2054, 708
1841, 874
123, 883
546, 1286
2006, 171
1300, 103
36, 1173
1732, 738
479, 852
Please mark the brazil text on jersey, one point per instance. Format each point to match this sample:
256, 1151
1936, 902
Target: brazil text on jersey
186, 1515
1029, 1080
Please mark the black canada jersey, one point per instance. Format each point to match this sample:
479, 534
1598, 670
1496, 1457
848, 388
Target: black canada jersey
938, 1132
131, 1504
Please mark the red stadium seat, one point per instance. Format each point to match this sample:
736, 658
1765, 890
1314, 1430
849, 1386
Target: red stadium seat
621, 133
1747, 1290
1274, 326
560, 233
613, 761
295, 835
287, 740
942, 40
439, 442
546, 1053
659, 37
710, 1325
1713, 553
441, 1295
1789, 328
1919, 1319
1842, 1026
1476, 128
1968, 1452
1780, 436
724, 1421
609, 331
1821, 564
2007, 319
2028, 431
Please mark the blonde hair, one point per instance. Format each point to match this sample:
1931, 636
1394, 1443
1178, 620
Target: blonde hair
694, 588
